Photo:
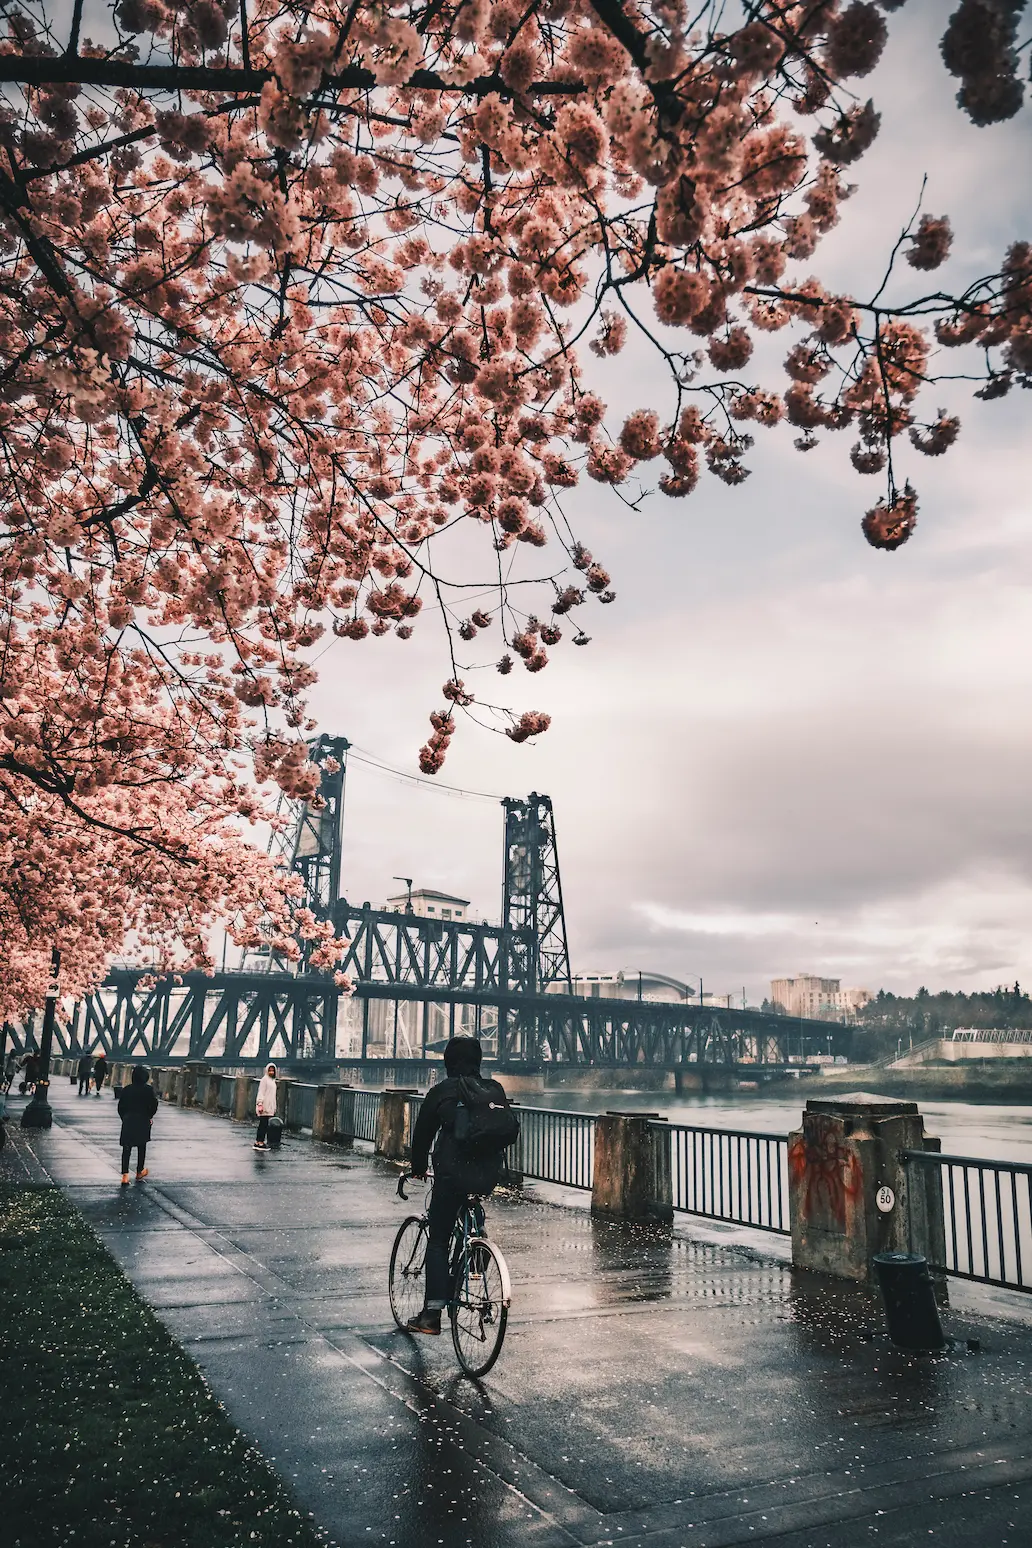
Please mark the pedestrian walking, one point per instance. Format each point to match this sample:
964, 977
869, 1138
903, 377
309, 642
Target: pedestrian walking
10, 1065
99, 1071
30, 1072
265, 1107
84, 1069
137, 1105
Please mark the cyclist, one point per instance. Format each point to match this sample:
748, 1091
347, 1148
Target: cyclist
457, 1174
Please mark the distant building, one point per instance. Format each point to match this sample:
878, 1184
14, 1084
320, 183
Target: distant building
629, 984
429, 904
819, 999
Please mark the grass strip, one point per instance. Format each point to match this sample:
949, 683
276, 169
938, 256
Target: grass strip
108, 1432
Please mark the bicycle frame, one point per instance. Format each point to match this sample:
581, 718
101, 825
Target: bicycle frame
470, 1228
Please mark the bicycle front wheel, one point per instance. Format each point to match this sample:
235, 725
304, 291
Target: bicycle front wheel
480, 1308
407, 1273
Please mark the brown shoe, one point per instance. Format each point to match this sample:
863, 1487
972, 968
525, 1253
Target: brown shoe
141, 1175
428, 1321
125, 1179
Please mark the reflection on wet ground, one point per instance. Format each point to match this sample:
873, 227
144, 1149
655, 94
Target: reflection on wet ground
657, 1385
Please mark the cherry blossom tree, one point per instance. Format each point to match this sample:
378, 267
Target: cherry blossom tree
305, 306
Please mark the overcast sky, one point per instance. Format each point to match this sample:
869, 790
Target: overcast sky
783, 751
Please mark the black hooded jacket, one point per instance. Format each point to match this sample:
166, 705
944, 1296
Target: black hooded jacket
437, 1118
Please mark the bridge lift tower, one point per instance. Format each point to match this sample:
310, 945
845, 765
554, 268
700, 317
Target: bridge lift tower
532, 893
311, 842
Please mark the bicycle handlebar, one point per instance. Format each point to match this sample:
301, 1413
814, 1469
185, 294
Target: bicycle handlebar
407, 1177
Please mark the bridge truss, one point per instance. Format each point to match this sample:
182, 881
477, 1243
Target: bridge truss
250, 1018
420, 981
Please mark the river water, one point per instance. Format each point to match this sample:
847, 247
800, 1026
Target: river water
996, 1133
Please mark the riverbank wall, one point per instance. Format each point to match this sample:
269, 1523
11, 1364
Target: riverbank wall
974, 1080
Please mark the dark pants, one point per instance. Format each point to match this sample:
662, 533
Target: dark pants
100, 1079
263, 1128
141, 1156
84, 1084
446, 1201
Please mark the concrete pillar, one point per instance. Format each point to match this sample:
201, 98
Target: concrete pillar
189, 1082
283, 1085
632, 1176
843, 1156
324, 1121
392, 1125
211, 1095
241, 1095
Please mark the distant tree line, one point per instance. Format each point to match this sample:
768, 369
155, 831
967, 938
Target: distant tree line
889, 1017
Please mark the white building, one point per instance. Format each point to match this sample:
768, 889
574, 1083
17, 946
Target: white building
819, 999
429, 904
630, 984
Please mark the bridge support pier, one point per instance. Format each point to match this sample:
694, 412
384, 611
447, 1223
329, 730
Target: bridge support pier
843, 1164
632, 1177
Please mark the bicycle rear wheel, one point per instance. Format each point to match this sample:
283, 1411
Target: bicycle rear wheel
480, 1308
407, 1280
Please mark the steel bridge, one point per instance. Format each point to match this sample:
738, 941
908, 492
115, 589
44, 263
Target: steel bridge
420, 981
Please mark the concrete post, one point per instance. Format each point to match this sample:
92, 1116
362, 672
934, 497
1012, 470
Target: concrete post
241, 1093
324, 1120
839, 1161
392, 1125
283, 1085
632, 1177
211, 1095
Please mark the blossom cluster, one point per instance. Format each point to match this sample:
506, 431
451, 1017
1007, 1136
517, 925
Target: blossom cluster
270, 331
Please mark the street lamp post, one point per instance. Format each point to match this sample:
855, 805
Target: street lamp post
38, 1114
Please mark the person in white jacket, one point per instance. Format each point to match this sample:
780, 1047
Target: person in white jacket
265, 1106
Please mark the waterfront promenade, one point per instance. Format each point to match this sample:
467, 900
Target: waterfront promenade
655, 1389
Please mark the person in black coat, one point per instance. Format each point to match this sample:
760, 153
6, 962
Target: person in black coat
30, 1071
136, 1107
84, 1070
456, 1176
100, 1071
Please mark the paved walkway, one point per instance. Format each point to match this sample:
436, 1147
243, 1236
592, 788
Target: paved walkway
674, 1392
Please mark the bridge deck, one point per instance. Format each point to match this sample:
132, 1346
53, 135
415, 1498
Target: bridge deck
654, 1390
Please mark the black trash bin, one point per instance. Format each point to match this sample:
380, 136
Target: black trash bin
275, 1133
909, 1297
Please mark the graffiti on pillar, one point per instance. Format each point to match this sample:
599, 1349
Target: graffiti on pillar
825, 1168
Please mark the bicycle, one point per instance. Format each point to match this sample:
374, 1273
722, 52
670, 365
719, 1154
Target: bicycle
481, 1292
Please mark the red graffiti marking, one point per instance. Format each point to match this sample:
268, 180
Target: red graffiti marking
827, 1170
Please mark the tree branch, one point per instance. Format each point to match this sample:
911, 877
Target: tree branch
38, 70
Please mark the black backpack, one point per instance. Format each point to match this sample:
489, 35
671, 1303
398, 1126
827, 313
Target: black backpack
485, 1123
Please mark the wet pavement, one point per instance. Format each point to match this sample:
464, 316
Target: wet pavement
675, 1390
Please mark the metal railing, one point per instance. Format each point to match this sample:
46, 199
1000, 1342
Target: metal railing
730, 1174
555, 1146
300, 1105
362, 1108
987, 1217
